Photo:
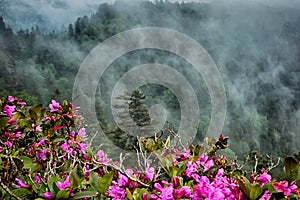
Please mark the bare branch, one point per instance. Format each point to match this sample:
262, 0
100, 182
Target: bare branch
8, 190
255, 166
122, 172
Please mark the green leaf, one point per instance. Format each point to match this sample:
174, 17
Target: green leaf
243, 182
59, 140
65, 105
167, 161
291, 168
237, 172
76, 177
33, 115
28, 164
137, 193
172, 171
18, 162
52, 185
63, 194
19, 115
255, 191
142, 191
196, 150
85, 194
3, 122
128, 194
182, 167
105, 182
22, 192
38, 110
89, 152
23, 123
93, 180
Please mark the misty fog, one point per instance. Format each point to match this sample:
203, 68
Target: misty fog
255, 44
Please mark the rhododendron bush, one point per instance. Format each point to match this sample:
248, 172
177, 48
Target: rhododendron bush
44, 155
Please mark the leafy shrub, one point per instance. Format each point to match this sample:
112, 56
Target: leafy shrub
44, 155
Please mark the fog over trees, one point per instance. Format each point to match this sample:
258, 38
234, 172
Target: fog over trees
256, 47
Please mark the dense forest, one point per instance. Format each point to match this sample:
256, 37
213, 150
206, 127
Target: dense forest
255, 46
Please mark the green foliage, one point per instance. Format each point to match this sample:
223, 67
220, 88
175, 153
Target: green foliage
292, 169
76, 177
43, 156
105, 182
39, 67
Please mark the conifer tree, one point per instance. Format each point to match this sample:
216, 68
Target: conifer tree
138, 124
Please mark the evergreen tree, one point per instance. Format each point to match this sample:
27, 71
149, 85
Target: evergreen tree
138, 124
71, 30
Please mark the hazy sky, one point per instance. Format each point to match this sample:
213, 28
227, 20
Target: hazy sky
57, 13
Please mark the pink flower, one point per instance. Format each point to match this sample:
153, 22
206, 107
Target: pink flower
8, 110
15, 136
144, 196
176, 181
205, 162
64, 147
21, 184
202, 159
294, 188
183, 192
38, 180
41, 154
222, 137
57, 127
8, 144
48, 195
196, 177
208, 165
38, 129
41, 142
150, 171
191, 168
265, 196
54, 106
102, 157
115, 192
63, 185
72, 133
283, 186
22, 103
182, 156
82, 147
82, 133
11, 121
10, 99
166, 193
86, 174
122, 180
264, 178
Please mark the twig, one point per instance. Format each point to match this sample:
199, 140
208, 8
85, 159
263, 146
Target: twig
8, 190
272, 165
92, 139
256, 163
122, 172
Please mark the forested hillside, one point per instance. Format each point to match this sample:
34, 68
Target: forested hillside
255, 46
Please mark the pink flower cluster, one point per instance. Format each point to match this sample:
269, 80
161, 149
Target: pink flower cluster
264, 178
171, 191
286, 188
219, 187
9, 109
54, 145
